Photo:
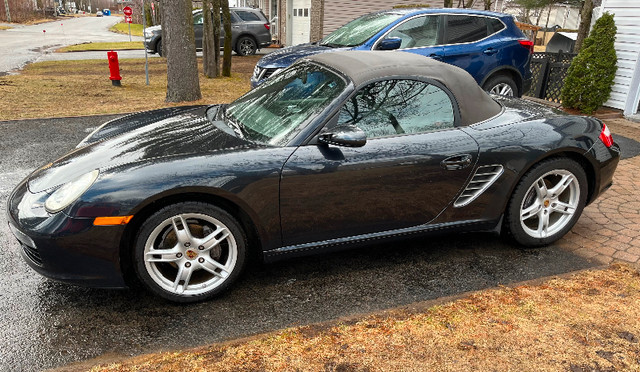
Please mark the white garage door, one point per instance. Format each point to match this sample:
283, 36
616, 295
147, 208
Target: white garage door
300, 21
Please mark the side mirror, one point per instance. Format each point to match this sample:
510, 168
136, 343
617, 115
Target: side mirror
344, 135
390, 43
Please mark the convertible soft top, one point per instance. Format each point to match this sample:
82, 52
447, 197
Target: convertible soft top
363, 66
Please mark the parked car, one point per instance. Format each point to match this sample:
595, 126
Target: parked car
488, 45
250, 31
336, 150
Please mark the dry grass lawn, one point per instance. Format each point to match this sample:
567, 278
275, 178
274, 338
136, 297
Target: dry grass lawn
5, 27
124, 45
587, 322
70, 88
123, 28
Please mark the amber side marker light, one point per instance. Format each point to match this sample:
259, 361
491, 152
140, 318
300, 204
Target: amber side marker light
110, 221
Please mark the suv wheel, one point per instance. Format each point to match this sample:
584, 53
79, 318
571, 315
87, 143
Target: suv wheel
246, 46
502, 85
159, 47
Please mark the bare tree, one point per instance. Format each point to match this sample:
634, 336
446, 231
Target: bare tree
208, 45
178, 45
448, 3
226, 19
585, 23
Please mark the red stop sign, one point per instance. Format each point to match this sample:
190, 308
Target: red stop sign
127, 11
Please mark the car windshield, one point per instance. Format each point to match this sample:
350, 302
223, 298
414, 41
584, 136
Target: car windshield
276, 110
359, 30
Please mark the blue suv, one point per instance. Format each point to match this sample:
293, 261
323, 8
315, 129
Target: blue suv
488, 45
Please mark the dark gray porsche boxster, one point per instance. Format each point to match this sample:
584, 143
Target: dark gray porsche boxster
338, 149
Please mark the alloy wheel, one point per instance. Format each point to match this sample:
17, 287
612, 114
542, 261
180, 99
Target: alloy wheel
550, 203
190, 254
503, 89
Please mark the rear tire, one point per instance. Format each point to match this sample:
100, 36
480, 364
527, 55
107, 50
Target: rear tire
190, 251
159, 48
246, 46
502, 85
547, 202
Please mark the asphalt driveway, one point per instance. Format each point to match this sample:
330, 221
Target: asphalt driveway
48, 324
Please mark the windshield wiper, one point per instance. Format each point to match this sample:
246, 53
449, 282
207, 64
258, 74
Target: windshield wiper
331, 45
237, 127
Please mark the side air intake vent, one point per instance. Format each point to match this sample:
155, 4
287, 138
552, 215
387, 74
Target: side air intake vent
485, 176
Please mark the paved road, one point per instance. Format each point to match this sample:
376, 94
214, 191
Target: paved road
47, 324
25, 44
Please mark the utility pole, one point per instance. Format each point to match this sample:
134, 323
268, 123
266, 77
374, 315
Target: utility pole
6, 8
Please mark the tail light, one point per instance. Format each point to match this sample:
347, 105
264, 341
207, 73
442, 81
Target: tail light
267, 26
605, 136
527, 44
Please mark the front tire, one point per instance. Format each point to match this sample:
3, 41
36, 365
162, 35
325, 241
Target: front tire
159, 48
246, 46
189, 252
547, 202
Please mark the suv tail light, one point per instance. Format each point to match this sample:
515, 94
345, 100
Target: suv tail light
605, 136
267, 26
527, 44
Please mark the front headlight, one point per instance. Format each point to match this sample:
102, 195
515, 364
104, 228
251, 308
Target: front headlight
70, 191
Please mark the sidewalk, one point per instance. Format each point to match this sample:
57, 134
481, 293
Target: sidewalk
609, 229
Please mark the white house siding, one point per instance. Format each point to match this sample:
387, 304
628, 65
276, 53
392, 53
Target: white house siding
624, 94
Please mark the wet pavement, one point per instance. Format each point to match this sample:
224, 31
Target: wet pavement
47, 324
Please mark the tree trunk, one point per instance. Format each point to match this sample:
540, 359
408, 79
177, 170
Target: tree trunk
585, 23
448, 3
226, 18
178, 45
215, 4
208, 45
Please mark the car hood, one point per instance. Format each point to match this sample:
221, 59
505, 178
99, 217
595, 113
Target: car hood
286, 56
152, 29
186, 132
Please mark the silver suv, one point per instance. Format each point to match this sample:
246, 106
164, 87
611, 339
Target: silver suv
250, 31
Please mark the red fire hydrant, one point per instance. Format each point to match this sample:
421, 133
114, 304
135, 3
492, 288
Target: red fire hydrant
114, 68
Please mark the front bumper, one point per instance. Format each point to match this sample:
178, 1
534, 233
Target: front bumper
151, 42
64, 248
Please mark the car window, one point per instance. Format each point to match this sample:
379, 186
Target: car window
197, 19
465, 29
392, 107
495, 25
276, 110
417, 32
247, 16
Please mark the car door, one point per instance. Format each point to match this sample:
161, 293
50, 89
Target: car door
421, 35
413, 164
467, 45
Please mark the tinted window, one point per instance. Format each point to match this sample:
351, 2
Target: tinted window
417, 32
464, 29
495, 25
392, 107
247, 16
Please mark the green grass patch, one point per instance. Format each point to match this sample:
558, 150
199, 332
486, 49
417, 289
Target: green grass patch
123, 28
125, 45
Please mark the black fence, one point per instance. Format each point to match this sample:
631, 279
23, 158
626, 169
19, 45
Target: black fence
549, 71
